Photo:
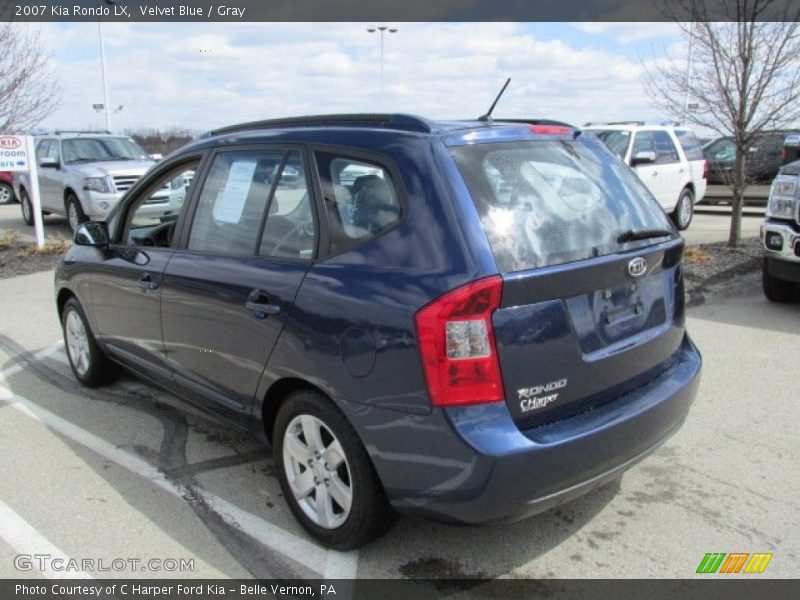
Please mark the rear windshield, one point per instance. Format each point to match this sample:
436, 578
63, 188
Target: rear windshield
549, 202
692, 147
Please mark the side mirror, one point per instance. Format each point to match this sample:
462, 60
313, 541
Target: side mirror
92, 233
642, 158
49, 163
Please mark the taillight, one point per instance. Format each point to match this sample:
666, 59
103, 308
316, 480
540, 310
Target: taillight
783, 155
551, 130
705, 169
456, 342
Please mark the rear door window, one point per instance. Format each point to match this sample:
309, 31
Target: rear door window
290, 230
544, 203
665, 148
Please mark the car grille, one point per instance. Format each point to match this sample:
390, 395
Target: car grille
124, 183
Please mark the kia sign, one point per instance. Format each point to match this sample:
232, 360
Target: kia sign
13, 153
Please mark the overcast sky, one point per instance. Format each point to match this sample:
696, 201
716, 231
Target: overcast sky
203, 76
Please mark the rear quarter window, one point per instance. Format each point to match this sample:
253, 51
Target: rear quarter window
691, 146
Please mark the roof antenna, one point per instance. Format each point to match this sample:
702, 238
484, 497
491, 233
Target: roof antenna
488, 115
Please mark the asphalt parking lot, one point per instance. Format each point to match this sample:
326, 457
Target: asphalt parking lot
127, 472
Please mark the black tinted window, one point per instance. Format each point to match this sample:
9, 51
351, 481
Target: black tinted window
549, 202
665, 148
690, 144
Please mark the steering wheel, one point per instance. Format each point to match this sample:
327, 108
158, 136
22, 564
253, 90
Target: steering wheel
305, 227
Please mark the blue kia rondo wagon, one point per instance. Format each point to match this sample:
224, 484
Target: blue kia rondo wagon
472, 321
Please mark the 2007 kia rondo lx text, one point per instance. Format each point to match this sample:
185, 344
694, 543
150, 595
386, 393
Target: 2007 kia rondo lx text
472, 321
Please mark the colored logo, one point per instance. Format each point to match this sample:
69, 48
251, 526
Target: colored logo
735, 562
10, 143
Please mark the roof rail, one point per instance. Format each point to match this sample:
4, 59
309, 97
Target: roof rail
63, 131
389, 121
636, 123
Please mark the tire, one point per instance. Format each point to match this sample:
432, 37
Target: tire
75, 214
684, 210
307, 462
89, 365
26, 206
777, 290
6, 193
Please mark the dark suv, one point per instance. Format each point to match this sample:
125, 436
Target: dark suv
473, 321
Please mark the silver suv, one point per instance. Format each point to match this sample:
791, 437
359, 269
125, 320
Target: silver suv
83, 175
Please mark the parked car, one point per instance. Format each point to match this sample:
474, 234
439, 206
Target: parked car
791, 148
488, 321
668, 159
764, 158
780, 235
83, 175
7, 195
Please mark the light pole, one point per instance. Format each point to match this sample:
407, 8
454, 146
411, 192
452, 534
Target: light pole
688, 80
382, 29
103, 70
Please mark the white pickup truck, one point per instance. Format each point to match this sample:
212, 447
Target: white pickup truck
780, 235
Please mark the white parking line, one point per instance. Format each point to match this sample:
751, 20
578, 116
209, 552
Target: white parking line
25, 539
40, 355
329, 563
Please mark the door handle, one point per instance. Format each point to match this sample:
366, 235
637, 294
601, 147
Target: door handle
147, 283
260, 304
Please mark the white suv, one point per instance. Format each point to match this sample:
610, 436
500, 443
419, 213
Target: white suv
668, 159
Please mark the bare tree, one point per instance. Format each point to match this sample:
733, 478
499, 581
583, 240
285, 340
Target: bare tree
28, 87
745, 75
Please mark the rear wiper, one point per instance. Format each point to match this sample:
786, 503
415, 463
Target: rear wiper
642, 234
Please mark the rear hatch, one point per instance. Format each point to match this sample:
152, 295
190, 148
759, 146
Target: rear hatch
592, 294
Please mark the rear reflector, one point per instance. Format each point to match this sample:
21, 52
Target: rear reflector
457, 346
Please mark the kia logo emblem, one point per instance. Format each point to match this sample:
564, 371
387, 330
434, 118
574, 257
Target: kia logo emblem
637, 267
9, 143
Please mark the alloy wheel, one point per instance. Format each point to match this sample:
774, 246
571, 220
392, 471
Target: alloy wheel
72, 216
27, 211
317, 471
5, 194
77, 343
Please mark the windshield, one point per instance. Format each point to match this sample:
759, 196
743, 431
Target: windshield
549, 202
98, 149
616, 140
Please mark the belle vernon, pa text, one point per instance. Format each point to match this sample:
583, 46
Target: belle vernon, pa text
179, 590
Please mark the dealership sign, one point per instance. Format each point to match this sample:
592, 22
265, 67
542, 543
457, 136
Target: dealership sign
13, 153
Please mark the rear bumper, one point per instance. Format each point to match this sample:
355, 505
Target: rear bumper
508, 474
